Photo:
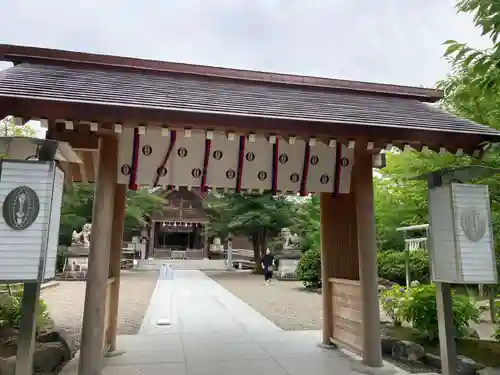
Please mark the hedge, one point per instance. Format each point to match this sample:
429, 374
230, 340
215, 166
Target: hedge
391, 266
309, 268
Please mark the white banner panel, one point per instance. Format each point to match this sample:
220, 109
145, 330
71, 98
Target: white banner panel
321, 176
185, 164
151, 153
185, 167
257, 165
345, 165
290, 165
125, 146
223, 162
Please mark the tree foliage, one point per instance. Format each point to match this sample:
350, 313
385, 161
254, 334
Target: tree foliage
483, 64
306, 222
309, 268
400, 200
391, 266
260, 217
470, 91
9, 129
78, 201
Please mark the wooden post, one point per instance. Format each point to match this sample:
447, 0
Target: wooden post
98, 261
115, 261
367, 250
152, 238
206, 246
339, 250
229, 251
27, 329
327, 218
447, 345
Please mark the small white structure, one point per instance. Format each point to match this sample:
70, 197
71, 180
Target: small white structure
413, 244
461, 237
31, 195
216, 247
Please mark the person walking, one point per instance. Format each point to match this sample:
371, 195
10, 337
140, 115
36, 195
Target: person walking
268, 262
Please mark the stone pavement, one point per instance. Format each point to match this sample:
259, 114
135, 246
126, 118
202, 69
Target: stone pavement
210, 331
179, 264
191, 302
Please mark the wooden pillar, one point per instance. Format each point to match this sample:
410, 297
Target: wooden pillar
115, 260
206, 246
339, 250
367, 250
152, 236
327, 219
98, 261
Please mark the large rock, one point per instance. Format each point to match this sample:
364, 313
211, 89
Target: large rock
49, 356
8, 333
8, 342
56, 336
467, 366
51, 351
408, 350
471, 333
385, 284
387, 341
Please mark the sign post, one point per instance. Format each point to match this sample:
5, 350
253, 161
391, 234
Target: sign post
31, 188
460, 243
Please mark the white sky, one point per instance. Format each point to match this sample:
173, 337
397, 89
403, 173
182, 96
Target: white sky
387, 41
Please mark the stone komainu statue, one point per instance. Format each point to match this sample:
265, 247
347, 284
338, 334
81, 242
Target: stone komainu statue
290, 241
83, 237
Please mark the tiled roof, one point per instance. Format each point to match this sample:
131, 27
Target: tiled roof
196, 93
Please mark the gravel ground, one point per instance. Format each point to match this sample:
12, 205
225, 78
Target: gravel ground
65, 303
286, 304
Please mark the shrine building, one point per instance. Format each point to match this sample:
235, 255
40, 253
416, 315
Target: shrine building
178, 228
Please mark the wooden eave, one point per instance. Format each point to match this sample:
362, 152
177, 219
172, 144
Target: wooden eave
62, 85
35, 55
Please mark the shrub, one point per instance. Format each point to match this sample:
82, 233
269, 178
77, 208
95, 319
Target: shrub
391, 266
10, 310
309, 268
390, 302
419, 308
496, 335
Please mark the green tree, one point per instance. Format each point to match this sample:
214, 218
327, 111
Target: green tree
483, 64
260, 217
472, 90
306, 223
8, 128
399, 199
78, 201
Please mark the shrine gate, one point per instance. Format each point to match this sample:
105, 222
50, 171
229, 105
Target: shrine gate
139, 122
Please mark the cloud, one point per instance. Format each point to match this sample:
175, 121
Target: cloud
388, 41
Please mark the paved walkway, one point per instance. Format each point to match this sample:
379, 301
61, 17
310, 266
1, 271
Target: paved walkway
193, 303
180, 264
208, 330
211, 331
